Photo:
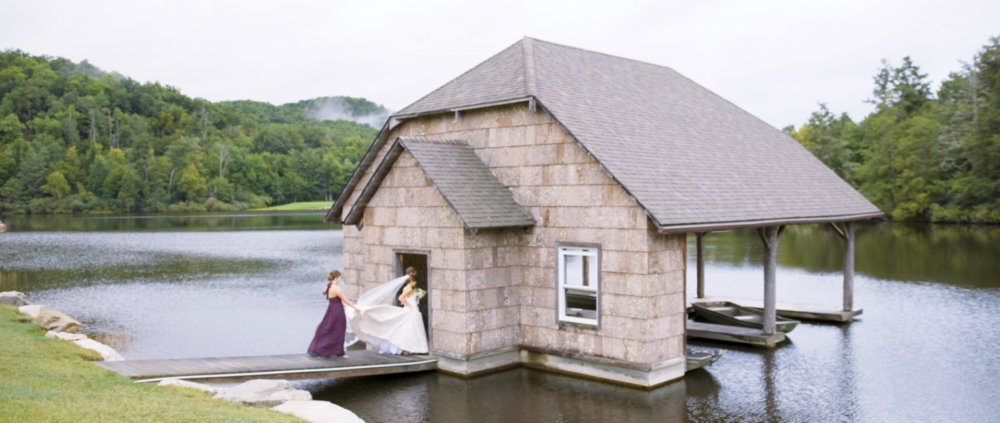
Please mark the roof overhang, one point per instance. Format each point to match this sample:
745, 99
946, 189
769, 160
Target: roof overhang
723, 226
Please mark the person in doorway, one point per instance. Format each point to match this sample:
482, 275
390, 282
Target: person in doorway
396, 330
329, 339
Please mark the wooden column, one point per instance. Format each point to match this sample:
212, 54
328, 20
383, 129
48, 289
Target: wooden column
769, 236
848, 266
701, 264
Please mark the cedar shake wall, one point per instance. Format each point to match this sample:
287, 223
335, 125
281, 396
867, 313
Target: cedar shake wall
500, 291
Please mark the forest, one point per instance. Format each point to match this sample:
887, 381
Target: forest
74, 138
921, 155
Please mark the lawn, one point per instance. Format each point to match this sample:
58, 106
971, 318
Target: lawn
311, 205
50, 380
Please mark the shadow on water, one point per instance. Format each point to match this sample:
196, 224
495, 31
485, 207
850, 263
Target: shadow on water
518, 395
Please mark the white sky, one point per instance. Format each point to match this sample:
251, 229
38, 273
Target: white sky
776, 59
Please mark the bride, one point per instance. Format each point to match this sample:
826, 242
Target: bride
390, 329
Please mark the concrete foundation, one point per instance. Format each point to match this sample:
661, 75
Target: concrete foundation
603, 369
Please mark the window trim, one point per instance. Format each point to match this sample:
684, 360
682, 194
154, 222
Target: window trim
560, 295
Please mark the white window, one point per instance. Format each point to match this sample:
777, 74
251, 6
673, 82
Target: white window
578, 283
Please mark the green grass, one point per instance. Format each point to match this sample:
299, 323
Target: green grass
311, 205
50, 380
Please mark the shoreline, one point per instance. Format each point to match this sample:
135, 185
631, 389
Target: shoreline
53, 380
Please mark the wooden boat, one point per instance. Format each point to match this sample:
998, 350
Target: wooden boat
727, 313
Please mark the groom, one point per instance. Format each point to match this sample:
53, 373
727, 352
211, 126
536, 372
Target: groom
410, 271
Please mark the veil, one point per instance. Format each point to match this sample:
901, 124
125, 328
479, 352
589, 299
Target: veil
383, 294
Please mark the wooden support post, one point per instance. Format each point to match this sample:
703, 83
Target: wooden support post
701, 264
769, 236
848, 266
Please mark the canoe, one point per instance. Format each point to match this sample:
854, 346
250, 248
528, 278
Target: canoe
727, 313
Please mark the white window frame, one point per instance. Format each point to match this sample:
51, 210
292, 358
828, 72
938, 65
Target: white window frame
589, 250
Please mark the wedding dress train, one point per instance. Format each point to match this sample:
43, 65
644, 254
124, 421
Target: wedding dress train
382, 325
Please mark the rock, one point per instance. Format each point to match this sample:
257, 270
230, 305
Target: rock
263, 393
318, 412
107, 353
71, 337
56, 321
51, 334
13, 298
185, 384
3, 227
31, 310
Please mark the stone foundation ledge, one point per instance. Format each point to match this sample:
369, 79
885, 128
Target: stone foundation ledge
646, 376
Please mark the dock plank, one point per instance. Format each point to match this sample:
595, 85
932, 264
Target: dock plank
289, 366
791, 310
734, 334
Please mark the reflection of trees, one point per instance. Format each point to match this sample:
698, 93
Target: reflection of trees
958, 255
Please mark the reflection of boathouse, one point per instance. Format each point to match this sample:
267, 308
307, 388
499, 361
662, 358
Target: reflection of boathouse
547, 195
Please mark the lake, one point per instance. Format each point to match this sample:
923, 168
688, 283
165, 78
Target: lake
193, 285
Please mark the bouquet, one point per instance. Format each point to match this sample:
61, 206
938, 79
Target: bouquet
420, 293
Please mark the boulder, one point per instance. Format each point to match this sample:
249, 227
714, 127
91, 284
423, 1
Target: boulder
31, 310
3, 227
13, 298
263, 393
56, 321
71, 337
185, 384
318, 412
107, 353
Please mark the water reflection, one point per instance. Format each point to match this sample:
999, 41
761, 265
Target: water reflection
952, 254
225, 221
155, 293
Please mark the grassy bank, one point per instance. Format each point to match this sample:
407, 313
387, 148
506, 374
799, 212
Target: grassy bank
50, 380
311, 205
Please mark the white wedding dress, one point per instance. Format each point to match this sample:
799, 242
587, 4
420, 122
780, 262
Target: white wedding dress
390, 329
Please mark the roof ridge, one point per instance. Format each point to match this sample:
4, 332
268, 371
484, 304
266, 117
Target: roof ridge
528, 58
458, 77
603, 54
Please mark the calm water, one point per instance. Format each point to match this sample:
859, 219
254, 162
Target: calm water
242, 284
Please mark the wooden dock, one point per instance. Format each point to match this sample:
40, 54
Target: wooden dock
734, 334
290, 367
792, 310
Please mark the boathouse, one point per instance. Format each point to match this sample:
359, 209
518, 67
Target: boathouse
546, 196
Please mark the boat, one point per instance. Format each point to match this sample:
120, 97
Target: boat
698, 357
732, 314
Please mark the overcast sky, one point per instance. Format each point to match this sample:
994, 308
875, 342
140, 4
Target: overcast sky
776, 59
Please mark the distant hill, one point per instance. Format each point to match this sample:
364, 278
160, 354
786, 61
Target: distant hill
75, 138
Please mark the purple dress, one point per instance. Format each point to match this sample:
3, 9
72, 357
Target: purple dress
329, 339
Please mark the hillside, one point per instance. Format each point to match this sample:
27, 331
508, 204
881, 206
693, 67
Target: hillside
74, 138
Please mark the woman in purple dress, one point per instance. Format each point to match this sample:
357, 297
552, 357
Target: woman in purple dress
329, 339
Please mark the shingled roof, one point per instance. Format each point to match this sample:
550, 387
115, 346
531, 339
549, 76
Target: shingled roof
476, 196
691, 159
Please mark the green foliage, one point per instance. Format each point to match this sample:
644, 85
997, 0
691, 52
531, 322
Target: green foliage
56, 185
191, 184
917, 156
120, 145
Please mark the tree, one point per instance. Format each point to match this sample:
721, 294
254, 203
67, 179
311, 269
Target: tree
56, 185
191, 184
130, 193
828, 138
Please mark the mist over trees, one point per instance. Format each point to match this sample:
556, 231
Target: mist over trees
74, 138
921, 155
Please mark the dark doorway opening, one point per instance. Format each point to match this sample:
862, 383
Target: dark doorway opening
417, 260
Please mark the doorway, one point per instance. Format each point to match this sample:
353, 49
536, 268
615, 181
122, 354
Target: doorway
417, 260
